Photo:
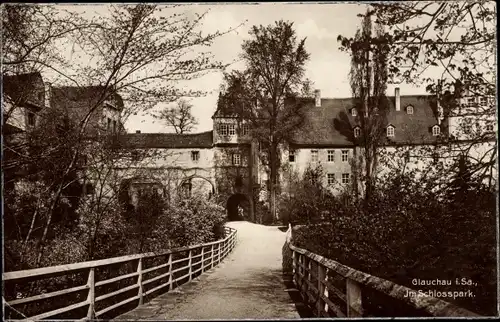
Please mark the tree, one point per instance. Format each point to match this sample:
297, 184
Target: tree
267, 92
179, 117
368, 80
450, 49
140, 52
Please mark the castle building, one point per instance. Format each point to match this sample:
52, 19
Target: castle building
225, 161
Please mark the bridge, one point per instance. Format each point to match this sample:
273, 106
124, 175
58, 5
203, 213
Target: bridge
254, 272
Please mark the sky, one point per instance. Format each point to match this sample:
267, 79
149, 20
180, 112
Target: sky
320, 24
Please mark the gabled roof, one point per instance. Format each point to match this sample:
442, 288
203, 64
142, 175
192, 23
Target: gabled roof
332, 124
78, 97
25, 89
166, 140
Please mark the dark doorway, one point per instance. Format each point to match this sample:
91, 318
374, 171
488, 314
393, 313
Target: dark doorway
237, 207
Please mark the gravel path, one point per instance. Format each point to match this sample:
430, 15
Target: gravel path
248, 284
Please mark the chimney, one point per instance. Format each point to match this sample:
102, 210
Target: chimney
48, 92
137, 131
397, 99
317, 98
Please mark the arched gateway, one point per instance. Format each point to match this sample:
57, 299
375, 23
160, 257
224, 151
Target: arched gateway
238, 207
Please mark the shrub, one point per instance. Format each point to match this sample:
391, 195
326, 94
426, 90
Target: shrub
410, 231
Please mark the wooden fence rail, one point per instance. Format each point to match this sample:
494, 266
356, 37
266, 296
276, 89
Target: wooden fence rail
177, 265
335, 290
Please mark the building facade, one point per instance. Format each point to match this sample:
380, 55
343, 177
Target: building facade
225, 162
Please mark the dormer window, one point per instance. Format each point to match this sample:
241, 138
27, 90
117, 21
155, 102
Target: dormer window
390, 131
409, 109
354, 112
436, 130
357, 132
223, 130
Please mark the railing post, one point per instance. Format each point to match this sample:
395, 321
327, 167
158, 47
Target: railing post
91, 295
320, 304
353, 299
202, 259
294, 266
139, 281
170, 277
309, 269
212, 257
190, 264
218, 254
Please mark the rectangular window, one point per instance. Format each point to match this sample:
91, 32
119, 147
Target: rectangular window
114, 126
245, 129
471, 101
354, 112
195, 156
314, 155
483, 101
331, 155
232, 130
345, 178
291, 156
331, 178
345, 155
31, 119
489, 128
390, 131
236, 159
223, 129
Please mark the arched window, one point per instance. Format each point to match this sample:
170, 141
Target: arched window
357, 132
409, 109
354, 112
390, 130
436, 130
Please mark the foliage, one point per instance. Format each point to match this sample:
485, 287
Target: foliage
179, 117
414, 232
447, 47
137, 51
193, 221
368, 80
266, 93
307, 199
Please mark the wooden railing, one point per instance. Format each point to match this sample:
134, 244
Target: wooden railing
171, 268
335, 290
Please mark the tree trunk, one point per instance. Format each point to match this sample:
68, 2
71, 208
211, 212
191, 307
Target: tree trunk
274, 167
368, 177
